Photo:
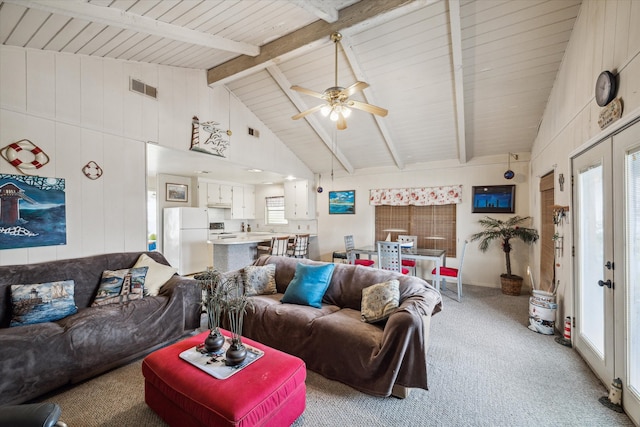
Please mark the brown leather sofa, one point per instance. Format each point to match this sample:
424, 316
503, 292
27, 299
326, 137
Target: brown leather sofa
381, 359
38, 358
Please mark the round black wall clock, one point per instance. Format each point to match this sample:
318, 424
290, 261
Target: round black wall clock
605, 88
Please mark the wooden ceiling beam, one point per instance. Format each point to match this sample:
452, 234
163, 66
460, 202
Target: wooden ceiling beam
465, 149
370, 97
138, 23
319, 8
362, 14
313, 121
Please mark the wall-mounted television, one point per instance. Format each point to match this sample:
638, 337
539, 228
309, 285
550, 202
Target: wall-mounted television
494, 199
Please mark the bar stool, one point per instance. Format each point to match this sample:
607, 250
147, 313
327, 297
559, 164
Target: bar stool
279, 246
300, 246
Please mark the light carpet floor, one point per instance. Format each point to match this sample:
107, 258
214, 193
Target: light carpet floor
485, 369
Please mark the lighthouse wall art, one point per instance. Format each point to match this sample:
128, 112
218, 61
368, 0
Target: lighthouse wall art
32, 211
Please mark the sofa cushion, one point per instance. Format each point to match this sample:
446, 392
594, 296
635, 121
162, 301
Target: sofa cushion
42, 302
157, 274
120, 286
309, 284
259, 280
379, 301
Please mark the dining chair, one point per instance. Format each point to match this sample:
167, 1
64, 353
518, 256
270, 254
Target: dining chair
409, 263
452, 275
390, 257
279, 246
300, 246
352, 258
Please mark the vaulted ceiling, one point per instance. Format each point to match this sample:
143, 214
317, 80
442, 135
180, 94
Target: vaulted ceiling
461, 78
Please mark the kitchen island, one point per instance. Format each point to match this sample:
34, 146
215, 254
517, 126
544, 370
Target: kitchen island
240, 251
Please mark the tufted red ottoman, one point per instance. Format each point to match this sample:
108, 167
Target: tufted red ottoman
270, 391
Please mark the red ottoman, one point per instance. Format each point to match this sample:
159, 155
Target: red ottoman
270, 391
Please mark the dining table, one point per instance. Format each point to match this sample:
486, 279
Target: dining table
419, 254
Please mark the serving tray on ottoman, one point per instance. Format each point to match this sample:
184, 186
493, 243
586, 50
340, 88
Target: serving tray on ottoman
270, 391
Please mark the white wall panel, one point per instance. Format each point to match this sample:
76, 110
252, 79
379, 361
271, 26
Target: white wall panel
181, 118
134, 196
67, 84
40, 83
68, 166
115, 183
149, 119
93, 208
115, 84
165, 108
92, 99
13, 78
132, 106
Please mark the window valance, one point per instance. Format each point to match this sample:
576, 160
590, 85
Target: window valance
419, 196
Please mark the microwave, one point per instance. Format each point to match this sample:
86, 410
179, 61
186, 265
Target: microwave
216, 227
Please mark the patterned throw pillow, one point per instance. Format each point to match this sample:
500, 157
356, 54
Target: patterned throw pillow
259, 280
379, 301
42, 302
121, 286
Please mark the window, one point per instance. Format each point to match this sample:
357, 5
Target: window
274, 210
434, 225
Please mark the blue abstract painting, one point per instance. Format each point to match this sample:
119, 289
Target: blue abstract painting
32, 211
342, 202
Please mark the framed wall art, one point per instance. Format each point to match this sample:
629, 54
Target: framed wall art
342, 202
494, 199
177, 192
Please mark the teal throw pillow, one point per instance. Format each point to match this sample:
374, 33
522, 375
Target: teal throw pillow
308, 285
42, 302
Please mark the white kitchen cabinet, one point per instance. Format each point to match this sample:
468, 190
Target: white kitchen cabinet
244, 204
219, 194
298, 201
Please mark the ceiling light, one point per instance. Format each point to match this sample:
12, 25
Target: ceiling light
255, 170
346, 112
290, 178
201, 172
334, 115
325, 110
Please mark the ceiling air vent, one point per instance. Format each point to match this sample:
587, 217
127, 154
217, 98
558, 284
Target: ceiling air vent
253, 132
142, 88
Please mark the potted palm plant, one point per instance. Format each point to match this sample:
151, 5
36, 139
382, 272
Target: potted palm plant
504, 231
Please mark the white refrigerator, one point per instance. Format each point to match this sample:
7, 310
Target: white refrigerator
186, 231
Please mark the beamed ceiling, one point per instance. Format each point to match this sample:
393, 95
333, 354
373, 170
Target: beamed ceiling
460, 79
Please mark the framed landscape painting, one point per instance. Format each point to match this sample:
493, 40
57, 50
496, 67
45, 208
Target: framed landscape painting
494, 199
177, 192
342, 202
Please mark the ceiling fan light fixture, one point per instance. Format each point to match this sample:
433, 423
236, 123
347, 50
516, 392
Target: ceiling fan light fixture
334, 115
325, 110
346, 112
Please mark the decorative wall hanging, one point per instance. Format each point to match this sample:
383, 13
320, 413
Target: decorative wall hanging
34, 160
342, 202
33, 211
92, 170
215, 144
420, 196
494, 199
177, 192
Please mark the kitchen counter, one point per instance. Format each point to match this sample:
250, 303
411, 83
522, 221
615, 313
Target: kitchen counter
237, 252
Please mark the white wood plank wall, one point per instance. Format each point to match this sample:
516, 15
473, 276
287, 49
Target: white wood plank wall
79, 109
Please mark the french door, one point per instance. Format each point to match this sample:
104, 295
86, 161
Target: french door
606, 198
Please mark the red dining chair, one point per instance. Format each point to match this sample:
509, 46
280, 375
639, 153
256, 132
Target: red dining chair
409, 263
349, 246
452, 275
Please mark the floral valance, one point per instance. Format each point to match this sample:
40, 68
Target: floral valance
419, 196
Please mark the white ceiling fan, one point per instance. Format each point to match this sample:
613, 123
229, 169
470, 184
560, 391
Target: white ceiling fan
338, 105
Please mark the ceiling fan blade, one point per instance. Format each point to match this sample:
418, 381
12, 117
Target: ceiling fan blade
368, 108
342, 122
309, 111
357, 86
307, 91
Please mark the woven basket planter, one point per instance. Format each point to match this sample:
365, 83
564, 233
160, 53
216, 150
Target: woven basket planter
511, 285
